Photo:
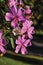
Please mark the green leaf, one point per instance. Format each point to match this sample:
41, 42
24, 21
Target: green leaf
1, 0
26, 2
12, 43
29, 56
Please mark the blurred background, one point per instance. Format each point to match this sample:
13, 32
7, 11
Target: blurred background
37, 42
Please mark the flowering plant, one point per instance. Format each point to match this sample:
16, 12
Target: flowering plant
19, 28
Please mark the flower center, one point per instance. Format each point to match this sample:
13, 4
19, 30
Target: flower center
16, 18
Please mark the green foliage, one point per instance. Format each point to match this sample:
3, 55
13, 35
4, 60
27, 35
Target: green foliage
8, 61
12, 43
1, 0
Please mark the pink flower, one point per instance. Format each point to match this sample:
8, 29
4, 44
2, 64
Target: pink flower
22, 44
28, 12
2, 43
27, 27
14, 16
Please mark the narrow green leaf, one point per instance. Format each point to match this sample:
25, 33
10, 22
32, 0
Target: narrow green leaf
39, 58
12, 43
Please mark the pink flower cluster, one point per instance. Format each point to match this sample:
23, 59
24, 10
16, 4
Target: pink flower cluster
19, 16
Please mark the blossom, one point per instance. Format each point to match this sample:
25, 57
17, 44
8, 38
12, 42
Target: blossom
28, 12
22, 44
15, 16
27, 27
17, 31
2, 43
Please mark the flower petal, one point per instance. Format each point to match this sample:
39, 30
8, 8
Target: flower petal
24, 50
12, 3
18, 42
13, 10
8, 16
30, 36
19, 13
31, 29
23, 38
17, 48
23, 30
28, 23
28, 10
27, 43
21, 18
14, 24
2, 50
21, 2
30, 32
19, 38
